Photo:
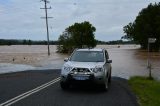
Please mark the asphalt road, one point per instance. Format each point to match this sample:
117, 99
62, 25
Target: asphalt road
14, 84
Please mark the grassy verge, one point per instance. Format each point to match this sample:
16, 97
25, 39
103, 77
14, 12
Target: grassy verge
146, 90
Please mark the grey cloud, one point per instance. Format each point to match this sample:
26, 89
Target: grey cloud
21, 19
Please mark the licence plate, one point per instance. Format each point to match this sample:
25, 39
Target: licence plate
81, 77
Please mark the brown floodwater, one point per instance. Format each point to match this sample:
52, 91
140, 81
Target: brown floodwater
128, 60
133, 62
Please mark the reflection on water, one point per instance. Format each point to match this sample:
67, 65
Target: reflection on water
128, 60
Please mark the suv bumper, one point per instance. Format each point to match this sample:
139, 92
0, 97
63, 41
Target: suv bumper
71, 78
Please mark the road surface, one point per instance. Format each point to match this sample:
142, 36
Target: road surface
41, 88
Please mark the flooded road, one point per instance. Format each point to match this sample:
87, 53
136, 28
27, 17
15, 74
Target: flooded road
128, 60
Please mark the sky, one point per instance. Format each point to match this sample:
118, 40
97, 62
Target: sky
20, 19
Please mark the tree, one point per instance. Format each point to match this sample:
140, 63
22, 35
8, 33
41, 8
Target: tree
65, 43
24, 42
146, 25
29, 42
78, 35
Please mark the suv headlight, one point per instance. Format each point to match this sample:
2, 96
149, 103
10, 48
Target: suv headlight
97, 69
67, 68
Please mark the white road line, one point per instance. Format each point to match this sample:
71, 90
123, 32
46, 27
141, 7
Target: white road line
26, 94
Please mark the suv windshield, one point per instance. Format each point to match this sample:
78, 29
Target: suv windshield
88, 56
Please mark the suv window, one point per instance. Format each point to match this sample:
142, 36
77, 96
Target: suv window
87, 56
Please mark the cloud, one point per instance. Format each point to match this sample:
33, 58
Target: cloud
20, 19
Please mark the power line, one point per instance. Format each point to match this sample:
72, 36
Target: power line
46, 17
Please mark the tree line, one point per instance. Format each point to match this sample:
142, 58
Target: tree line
25, 42
31, 42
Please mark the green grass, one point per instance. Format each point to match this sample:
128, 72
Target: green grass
146, 90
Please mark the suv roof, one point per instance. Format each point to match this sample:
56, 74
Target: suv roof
95, 49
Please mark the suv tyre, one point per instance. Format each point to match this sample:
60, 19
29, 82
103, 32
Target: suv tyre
64, 85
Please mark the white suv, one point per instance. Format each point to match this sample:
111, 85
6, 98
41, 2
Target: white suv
87, 65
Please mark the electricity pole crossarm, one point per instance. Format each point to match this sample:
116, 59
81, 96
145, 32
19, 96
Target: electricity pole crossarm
46, 17
46, 8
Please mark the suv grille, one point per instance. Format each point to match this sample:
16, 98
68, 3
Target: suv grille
81, 70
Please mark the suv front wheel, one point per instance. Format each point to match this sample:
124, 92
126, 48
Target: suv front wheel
105, 86
64, 85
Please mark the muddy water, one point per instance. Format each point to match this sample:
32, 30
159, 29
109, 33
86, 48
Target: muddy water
128, 60
131, 61
128, 63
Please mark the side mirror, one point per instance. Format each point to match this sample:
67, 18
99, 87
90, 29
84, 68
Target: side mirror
65, 59
109, 61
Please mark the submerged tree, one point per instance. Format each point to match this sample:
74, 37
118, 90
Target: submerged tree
146, 25
78, 35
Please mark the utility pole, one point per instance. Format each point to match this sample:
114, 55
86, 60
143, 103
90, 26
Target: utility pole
46, 17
